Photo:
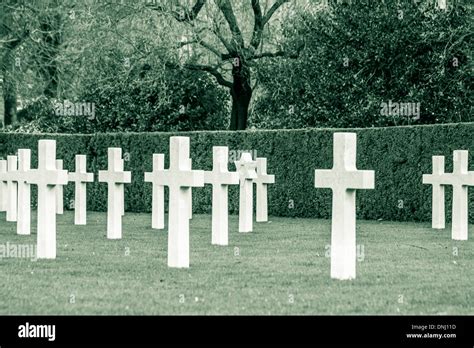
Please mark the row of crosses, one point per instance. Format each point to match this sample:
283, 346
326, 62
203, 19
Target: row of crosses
343, 179
180, 178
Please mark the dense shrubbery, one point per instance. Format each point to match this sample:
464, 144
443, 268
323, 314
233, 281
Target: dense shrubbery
361, 55
399, 156
151, 99
158, 99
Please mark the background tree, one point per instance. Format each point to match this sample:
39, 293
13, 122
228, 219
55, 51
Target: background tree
235, 36
31, 39
108, 54
12, 34
361, 54
50, 24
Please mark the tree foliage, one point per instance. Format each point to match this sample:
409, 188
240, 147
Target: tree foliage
358, 56
111, 55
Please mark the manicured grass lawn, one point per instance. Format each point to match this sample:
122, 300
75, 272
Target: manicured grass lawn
280, 268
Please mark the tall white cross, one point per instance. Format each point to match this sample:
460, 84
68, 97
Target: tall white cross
3, 185
23, 225
460, 179
190, 200
122, 190
179, 178
220, 178
344, 179
47, 177
437, 179
158, 192
261, 182
246, 168
81, 177
115, 177
59, 191
12, 188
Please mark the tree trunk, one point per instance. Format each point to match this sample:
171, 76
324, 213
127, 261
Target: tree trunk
51, 88
51, 40
7, 67
241, 93
9, 102
9, 89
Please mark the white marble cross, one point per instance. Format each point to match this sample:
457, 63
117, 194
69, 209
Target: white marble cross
80, 178
3, 186
261, 182
122, 191
115, 177
158, 192
246, 168
59, 191
23, 225
12, 188
47, 177
190, 194
437, 179
460, 179
179, 178
220, 178
344, 179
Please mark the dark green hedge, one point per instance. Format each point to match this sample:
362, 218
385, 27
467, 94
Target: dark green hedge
399, 156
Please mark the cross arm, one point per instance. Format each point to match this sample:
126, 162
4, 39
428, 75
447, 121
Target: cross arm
81, 177
47, 177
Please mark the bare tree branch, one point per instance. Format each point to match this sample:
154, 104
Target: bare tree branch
201, 42
7, 41
14, 43
185, 16
207, 68
293, 54
195, 10
210, 48
258, 24
226, 8
211, 70
229, 47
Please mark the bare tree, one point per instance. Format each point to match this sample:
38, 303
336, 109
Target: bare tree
234, 50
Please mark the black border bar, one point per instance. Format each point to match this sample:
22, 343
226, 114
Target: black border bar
242, 330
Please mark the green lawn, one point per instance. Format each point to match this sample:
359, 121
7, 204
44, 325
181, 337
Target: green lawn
280, 268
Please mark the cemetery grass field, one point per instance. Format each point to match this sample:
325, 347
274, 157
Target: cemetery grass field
280, 268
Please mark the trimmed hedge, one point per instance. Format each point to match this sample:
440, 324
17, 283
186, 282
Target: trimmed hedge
399, 156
